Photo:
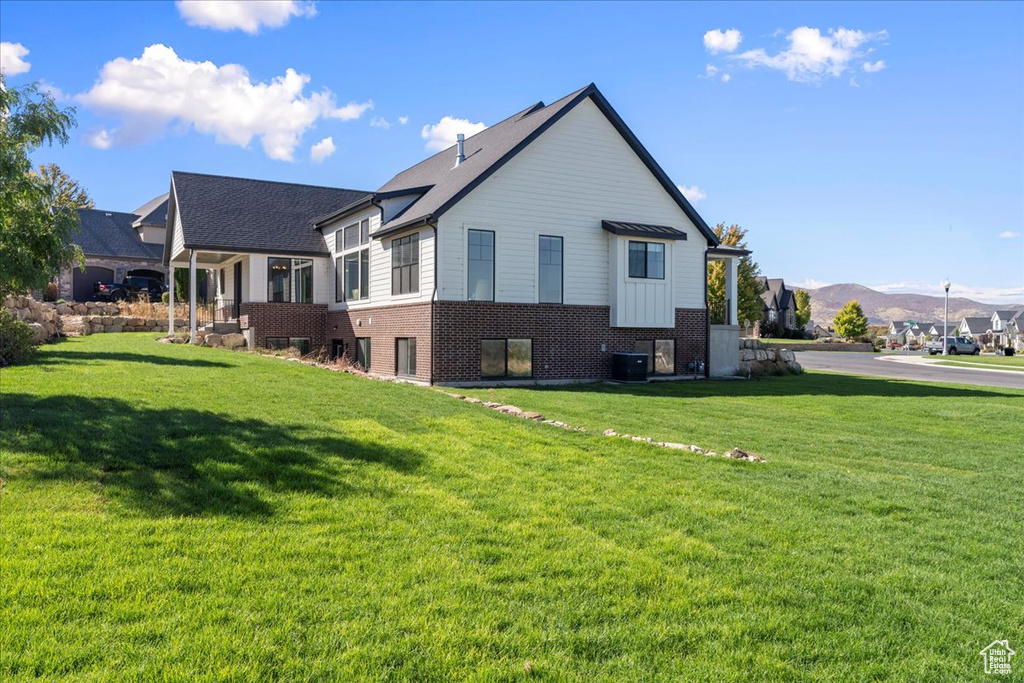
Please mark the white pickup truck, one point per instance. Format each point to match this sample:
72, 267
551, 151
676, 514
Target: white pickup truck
954, 346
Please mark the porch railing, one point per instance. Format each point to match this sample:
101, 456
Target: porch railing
221, 311
718, 312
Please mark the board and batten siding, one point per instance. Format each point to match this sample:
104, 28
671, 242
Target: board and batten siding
380, 266
576, 174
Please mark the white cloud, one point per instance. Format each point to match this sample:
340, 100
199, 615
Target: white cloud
380, 122
244, 15
991, 295
726, 78
150, 93
322, 150
874, 67
441, 135
722, 41
403, 120
11, 59
1008, 235
710, 71
100, 139
812, 56
811, 283
692, 193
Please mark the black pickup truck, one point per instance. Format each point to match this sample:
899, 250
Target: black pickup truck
131, 288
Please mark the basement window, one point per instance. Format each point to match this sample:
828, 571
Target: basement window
506, 358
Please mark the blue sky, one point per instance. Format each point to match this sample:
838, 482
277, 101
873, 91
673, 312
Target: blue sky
875, 143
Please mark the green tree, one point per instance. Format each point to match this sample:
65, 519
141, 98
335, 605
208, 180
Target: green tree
850, 321
803, 307
748, 302
65, 189
36, 225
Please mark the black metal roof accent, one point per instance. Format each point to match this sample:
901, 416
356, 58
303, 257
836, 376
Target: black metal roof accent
663, 232
110, 233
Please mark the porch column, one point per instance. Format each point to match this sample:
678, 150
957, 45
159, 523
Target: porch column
731, 274
193, 331
170, 304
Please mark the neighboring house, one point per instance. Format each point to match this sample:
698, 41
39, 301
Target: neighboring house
974, 327
779, 303
1004, 326
116, 245
920, 332
535, 249
898, 332
939, 330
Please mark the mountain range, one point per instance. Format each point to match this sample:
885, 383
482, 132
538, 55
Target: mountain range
881, 308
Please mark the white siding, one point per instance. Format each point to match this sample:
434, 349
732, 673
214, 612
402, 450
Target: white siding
177, 240
380, 266
565, 183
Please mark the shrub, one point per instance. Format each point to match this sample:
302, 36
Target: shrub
15, 340
50, 293
165, 297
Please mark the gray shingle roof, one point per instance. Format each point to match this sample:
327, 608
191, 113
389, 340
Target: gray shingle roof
1007, 315
153, 212
978, 325
241, 214
491, 148
110, 233
643, 230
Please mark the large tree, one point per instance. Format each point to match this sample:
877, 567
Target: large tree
748, 302
850, 321
65, 189
803, 307
37, 224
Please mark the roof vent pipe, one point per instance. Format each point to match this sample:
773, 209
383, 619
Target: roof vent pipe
460, 141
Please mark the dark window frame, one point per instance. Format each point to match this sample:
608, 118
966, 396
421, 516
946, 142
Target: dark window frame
276, 343
410, 354
652, 368
400, 246
506, 341
647, 260
561, 267
368, 354
309, 344
494, 264
291, 288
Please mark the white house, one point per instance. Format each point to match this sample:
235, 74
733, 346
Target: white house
531, 250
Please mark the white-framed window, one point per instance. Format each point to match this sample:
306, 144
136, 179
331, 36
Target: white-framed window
352, 264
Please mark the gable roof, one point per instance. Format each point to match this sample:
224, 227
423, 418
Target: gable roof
153, 212
110, 233
977, 325
262, 216
1007, 315
775, 289
493, 147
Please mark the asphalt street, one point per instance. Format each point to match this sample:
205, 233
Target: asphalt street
874, 365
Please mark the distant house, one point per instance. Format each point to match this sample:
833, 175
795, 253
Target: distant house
974, 327
117, 244
897, 332
1004, 326
943, 329
779, 303
920, 332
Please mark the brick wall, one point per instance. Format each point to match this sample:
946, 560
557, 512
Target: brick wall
566, 339
383, 325
278, 319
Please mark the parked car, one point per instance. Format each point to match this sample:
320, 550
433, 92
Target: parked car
131, 288
911, 346
954, 346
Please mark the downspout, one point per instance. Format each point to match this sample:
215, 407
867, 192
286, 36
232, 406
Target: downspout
433, 303
707, 322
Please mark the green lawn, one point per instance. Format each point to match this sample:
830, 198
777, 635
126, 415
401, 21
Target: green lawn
184, 514
995, 362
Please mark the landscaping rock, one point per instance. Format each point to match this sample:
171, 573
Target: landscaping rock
233, 340
38, 333
214, 339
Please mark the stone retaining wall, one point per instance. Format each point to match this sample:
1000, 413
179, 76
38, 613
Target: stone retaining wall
757, 359
48, 320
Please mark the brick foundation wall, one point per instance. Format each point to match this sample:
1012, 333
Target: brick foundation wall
383, 325
566, 339
278, 319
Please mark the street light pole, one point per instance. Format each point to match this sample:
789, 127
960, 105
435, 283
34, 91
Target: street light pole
945, 320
